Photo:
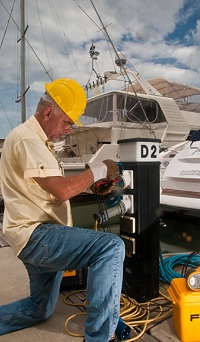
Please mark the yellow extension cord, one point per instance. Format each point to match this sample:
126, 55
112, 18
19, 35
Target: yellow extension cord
133, 314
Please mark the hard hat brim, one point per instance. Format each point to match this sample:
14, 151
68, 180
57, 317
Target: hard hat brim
78, 123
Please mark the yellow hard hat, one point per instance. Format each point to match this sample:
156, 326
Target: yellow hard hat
69, 96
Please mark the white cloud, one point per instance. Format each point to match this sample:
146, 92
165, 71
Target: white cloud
196, 32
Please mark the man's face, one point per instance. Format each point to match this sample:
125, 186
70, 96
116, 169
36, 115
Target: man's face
58, 124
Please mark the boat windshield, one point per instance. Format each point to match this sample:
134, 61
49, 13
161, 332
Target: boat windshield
123, 107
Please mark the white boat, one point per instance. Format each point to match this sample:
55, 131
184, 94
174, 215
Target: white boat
141, 110
146, 109
180, 176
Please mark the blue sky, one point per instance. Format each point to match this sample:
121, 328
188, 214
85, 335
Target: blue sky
159, 38
186, 27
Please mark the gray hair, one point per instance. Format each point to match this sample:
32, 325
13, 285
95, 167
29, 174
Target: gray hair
47, 98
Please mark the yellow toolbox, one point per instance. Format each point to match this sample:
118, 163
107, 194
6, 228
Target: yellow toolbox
186, 310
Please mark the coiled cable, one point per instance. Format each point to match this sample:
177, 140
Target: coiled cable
167, 265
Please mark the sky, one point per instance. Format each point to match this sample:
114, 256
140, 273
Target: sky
159, 38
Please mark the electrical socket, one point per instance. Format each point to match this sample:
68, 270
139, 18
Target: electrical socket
128, 179
129, 244
131, 184
127, 224
131, 209
128, 203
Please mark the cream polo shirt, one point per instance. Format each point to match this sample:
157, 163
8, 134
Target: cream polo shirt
25, 155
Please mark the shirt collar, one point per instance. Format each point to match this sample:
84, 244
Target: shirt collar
37, 128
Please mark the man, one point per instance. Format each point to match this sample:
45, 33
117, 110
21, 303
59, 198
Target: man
37, 219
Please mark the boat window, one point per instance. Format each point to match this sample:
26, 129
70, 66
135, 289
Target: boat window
135, 109
99, 110
122, 107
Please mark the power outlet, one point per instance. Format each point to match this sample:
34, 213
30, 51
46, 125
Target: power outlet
127, 224
127, 177
129, 244
131, 207
131, 183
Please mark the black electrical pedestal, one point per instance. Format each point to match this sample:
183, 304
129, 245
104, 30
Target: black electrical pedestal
139, 227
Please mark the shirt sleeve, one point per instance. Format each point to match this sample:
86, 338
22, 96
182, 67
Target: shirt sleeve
37, 160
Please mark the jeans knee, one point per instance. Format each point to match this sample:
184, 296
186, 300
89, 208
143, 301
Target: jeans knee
117, 243
43, 313
121, 246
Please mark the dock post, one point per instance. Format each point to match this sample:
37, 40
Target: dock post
139, 227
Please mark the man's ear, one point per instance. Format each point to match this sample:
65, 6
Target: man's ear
47, 113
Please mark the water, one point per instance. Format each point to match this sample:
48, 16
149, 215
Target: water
179, 233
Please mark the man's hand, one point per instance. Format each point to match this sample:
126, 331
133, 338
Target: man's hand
102, 187
112, 169
105, 186
106, 169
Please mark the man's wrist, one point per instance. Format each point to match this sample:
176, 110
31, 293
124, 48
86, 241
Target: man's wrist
98, 169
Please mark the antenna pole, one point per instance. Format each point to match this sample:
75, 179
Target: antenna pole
23, 81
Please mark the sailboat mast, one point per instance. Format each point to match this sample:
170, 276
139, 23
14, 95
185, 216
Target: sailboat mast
23, 73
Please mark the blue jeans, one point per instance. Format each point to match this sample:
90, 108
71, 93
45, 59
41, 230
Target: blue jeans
53, 248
